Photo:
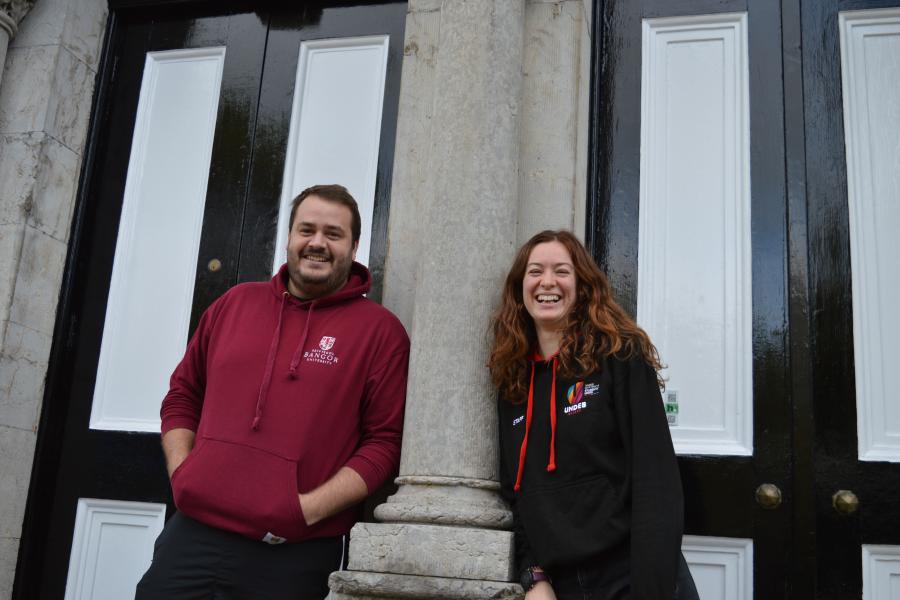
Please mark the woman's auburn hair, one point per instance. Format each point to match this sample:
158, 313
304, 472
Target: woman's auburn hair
596, 328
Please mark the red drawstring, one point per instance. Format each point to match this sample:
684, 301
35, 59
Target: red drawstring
524, 447
551, 465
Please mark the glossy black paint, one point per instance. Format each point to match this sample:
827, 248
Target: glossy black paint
831, 326
802, 581
719, 491
286, 33
804, 386
72, 461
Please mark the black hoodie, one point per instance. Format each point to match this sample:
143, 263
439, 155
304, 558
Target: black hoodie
603, 477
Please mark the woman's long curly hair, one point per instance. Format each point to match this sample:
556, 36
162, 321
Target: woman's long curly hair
596, 327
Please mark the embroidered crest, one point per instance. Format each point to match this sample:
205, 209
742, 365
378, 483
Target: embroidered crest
326, 343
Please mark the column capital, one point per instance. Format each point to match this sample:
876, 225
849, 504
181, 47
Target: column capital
11, 14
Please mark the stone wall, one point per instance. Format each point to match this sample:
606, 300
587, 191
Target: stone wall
45, 100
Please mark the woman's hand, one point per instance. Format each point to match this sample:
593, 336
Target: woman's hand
541, 591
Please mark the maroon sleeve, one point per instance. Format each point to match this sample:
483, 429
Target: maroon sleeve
381, 418
183, 403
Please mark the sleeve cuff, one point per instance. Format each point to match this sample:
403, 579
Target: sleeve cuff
371, 475
171, 423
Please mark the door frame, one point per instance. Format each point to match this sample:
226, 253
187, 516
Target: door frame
37, 535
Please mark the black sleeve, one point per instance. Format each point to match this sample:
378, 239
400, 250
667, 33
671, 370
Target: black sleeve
657, 504
524, 556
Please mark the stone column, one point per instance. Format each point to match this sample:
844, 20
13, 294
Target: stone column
445, 533
11, 13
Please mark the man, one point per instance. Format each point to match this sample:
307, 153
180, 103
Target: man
284, 413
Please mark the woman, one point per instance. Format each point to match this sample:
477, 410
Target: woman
587, 462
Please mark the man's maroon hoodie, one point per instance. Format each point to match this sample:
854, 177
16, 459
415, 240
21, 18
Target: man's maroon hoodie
282, 394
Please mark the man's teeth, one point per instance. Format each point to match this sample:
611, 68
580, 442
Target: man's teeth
548, 298
315, 258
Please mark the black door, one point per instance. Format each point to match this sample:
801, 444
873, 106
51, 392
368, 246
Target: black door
833, 394
239, 225
804, 414
719, 490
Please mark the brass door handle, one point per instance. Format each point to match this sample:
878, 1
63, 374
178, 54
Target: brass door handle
845, 502
768, 496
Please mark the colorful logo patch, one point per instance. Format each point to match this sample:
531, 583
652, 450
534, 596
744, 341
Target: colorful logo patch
326, 343
575, 398
575, 393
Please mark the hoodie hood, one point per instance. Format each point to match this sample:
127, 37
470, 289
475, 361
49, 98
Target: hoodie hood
358, 284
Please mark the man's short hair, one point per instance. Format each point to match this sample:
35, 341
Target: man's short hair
332, 193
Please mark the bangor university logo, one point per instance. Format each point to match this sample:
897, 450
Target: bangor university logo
575, 398
323, 354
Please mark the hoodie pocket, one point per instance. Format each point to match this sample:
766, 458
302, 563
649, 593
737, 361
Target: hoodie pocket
570, 521
241, 489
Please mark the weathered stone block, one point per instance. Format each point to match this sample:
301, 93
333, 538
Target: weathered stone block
76, 24
23, 106
43, 25
4, 46
19, 163
16, 456
10, 247
37, 281
84, 27
433, 550
70, 101
425, 5
346, 585
38, 179
53, 197
9, 554
23, 369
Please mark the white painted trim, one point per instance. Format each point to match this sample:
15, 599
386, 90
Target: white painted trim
733, 557
90, 573
871, 85
694, 258
355, 170
879, 565
174, 130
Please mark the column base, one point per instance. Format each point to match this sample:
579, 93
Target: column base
360, 585
432, 550
446, 501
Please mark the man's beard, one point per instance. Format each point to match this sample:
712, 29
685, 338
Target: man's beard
315, 285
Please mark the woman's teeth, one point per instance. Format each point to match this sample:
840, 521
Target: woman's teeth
542, 298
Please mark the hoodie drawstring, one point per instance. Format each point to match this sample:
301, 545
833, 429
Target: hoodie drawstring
270, 361
524, 449
298, 353
270, 365
551, 465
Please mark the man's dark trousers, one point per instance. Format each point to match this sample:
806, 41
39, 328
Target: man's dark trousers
192, 561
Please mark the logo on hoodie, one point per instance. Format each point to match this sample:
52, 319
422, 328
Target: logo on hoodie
323, 354
575, 398
326, 343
